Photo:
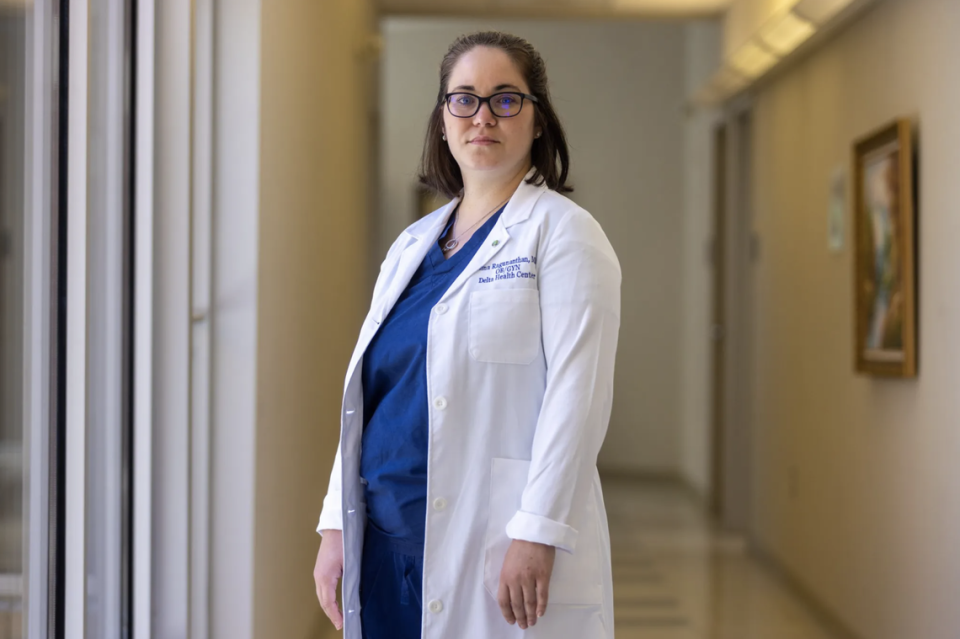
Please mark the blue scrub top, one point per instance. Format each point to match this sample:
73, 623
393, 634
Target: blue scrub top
393, 456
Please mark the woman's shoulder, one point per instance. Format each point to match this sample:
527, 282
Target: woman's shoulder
560, 218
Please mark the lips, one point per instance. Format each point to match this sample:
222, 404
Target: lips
483, 141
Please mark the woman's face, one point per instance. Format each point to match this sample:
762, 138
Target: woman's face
485, 142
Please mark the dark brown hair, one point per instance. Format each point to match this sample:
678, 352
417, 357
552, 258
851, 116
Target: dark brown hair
439, 170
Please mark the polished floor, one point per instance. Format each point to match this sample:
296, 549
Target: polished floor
676, 577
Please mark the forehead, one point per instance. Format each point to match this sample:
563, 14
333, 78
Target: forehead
485, 68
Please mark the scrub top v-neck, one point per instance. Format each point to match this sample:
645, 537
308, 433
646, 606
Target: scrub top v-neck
393, 455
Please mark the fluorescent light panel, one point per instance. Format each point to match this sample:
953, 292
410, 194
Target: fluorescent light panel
819, 11
785, 32
775, 40
752, 60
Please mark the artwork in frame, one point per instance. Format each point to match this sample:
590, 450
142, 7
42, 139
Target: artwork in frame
885, 252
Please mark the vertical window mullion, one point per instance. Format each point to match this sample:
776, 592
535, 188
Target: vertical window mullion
142, 337
109, 320
200, 274
171, 579
107, 214
39, 411
76, 322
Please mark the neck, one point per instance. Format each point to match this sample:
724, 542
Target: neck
482, 193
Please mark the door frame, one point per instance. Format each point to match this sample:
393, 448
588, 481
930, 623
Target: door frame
735, 251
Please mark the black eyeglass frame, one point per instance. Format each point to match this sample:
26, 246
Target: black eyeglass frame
480, 101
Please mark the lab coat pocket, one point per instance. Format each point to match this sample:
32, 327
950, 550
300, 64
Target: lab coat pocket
576, 578
504, 325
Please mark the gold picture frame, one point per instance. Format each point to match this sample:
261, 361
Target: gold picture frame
885, 289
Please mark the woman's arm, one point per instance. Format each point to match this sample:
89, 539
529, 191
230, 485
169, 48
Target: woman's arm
579, 279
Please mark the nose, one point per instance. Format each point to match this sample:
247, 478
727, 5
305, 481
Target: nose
484, 115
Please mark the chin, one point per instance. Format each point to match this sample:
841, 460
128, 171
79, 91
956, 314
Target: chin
488, 163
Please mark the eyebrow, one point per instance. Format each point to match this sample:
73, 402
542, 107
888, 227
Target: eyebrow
499, 87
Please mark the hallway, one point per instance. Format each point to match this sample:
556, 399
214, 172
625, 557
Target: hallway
676, 577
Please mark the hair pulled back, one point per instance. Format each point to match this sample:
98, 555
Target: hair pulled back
439, 170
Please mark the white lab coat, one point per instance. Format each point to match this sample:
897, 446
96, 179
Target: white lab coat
520, 359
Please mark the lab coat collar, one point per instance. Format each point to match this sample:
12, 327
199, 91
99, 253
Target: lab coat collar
518, 209
430, 227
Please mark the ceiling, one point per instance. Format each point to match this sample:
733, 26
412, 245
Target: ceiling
598, 9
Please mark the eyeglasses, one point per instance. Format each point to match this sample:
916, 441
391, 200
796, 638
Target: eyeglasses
502, 105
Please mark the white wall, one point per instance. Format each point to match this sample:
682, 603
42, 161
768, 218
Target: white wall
871, 524
702, 56
619, 90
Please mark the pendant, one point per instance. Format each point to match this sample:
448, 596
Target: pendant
449, 245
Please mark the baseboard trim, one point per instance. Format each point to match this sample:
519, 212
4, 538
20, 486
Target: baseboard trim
655, 477
819, 610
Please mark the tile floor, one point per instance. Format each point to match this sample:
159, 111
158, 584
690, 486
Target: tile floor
676, 577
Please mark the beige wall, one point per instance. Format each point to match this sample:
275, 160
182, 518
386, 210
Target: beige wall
873, 523
627, 168
312, 284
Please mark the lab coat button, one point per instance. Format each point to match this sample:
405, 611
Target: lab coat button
439, 503
440, 403
441, 309
435, 606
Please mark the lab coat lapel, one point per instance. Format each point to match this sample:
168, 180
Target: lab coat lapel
410, 259
496, 240
420, 237
518, 209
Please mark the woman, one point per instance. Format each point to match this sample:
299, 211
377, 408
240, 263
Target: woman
464, 501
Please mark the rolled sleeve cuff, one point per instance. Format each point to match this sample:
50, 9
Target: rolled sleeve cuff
331, 517
538, 529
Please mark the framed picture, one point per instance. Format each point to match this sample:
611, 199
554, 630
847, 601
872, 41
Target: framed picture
885, 253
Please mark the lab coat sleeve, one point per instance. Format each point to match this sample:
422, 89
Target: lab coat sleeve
331, 515
579, 281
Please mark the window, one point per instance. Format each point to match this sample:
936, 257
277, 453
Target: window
67, 300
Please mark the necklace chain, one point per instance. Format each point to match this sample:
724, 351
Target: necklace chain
449, 245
